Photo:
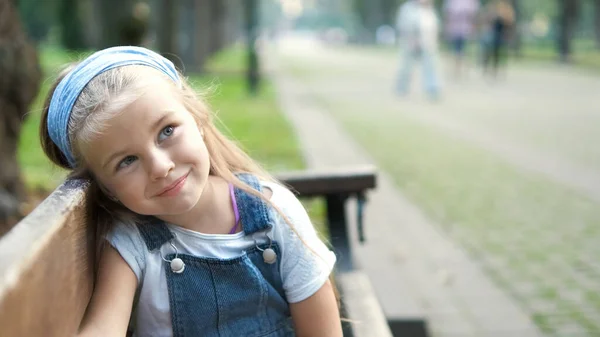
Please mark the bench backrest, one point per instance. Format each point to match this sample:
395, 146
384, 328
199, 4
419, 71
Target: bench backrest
46, 272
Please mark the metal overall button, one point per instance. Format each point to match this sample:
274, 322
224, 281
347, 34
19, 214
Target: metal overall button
269, 255
177, 264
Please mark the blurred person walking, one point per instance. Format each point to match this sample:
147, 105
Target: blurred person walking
459, 24
498, 20
418, 28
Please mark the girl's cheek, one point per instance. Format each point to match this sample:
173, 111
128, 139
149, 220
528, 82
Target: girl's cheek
118, 185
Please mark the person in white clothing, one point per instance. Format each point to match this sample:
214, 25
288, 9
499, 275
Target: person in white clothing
418, 29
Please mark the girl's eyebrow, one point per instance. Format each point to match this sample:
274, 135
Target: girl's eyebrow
159, 121
112, 157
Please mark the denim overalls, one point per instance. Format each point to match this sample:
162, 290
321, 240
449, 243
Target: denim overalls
236, 297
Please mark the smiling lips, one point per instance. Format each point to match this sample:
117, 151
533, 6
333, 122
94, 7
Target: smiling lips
174, 188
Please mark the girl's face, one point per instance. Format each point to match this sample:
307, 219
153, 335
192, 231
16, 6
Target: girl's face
151, 156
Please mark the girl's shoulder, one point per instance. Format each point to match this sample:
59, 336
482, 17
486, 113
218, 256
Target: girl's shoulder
279, 192
293, 219
126, 238
283, 198
306, 261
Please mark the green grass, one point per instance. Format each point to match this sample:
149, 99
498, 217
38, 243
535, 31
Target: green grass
229, 61
255, 122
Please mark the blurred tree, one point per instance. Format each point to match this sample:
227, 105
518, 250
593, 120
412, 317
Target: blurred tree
518, 28
596, 4
202, 28
252, 75
69, 18
371, 15
194, 34
167, 31
38, 17
217, 31
389, 8
124, 22
234, 17
135, 25
19, 84
568, 14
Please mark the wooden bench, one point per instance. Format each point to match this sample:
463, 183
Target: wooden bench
336, 186
46, 260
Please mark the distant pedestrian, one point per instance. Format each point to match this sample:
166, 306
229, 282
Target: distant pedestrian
459, 24
498, 21
418, 28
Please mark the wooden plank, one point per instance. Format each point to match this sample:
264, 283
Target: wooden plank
334, 181
46, 267
360, 303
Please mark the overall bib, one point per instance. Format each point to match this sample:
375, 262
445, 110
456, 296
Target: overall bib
241, 296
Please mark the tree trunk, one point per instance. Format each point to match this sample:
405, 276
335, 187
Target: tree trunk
19, 85
389, 8
186, 34
71, 31
233, 26
204, 26
371, 14
516, 36
568, 10
124, 22
252, 73
597, 22
218, 12
167, 31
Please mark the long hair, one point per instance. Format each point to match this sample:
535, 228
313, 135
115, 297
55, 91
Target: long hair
111, 92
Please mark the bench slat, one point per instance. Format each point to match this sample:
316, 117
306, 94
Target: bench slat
361, 304
321, 183
46, 267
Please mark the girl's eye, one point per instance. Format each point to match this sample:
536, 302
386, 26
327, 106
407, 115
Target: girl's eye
166, 133
126, 162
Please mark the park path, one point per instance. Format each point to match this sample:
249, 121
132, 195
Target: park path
539, 119
524, 171
407, 256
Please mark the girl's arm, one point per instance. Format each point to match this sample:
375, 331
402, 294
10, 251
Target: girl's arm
317, 315
110, 307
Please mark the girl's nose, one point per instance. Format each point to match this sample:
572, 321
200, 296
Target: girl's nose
160, 165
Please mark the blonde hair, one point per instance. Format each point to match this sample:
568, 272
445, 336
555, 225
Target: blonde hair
108, 94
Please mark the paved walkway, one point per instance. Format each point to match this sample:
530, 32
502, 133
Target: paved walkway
405, 256
540, 121
510, 169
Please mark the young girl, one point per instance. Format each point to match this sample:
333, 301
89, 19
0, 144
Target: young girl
201, 241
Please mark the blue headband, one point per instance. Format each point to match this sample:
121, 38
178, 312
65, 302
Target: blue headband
69, 88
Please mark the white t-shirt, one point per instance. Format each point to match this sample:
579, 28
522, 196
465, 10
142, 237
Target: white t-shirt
304, 266
417, 25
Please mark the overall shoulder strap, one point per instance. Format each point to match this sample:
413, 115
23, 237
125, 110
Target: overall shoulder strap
254, 212
154, 232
